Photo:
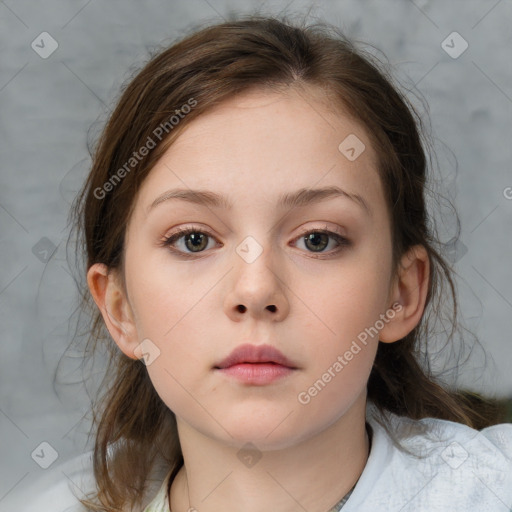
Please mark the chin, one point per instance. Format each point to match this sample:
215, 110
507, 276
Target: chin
267, 432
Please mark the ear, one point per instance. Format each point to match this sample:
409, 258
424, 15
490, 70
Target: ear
408, 294
110, 297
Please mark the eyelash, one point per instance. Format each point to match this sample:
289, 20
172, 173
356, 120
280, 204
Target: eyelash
341, 241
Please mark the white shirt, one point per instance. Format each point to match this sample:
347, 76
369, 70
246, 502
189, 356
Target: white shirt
461, 470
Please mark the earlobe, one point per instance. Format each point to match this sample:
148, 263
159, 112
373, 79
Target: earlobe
409, 290
109, 296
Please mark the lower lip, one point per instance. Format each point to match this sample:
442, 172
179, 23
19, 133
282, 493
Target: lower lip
257, 373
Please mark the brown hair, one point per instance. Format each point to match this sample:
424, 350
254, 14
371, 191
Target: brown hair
134, 427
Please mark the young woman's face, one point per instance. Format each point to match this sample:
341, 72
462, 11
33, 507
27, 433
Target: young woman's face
253, 273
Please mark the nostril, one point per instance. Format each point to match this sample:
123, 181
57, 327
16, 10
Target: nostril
272, 308
241, 308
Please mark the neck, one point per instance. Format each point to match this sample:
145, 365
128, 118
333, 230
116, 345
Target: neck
312, 475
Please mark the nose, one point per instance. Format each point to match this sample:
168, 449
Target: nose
257, 289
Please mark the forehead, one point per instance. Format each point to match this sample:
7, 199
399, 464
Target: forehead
261, 142
275, 119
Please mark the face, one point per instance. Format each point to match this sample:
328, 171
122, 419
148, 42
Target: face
255, 272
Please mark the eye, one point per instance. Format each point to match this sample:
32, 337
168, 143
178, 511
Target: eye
317, 240
194, 240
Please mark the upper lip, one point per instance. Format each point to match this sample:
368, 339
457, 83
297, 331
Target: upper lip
248, 353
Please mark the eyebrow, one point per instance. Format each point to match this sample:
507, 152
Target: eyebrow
300, 198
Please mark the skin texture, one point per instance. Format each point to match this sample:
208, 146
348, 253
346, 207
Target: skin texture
253, 148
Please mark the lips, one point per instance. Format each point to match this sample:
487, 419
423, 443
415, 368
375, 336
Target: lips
247, 354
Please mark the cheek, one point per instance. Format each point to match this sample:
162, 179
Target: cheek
342, 343
169, 312
341, 319
343, 304
338, 383
165, 298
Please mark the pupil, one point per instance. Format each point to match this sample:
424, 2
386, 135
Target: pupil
316, 237
195, 238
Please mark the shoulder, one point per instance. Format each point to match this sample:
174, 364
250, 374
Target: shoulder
451, 444
433, 464
435, 434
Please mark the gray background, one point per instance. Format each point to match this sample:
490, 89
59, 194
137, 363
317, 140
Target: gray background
49, 105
